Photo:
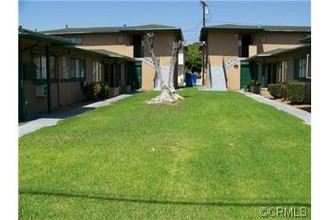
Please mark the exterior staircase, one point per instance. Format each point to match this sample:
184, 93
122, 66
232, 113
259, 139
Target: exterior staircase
218, 75
164, 70
218, 79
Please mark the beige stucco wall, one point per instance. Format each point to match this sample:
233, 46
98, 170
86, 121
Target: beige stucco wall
233, 76
70, 92
221, 44
118, 43
163, 42
106, 39
125, 50
35, 104
269, 47
267, 41
148, 75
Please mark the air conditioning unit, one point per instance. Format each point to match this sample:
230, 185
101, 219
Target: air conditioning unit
41, 91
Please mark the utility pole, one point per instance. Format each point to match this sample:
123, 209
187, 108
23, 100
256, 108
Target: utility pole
204, 10
204, 56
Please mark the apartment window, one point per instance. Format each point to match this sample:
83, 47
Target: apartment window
76, 40
65, 68
308, 68
282, 71
39, 62
303, 67
97, 72
77, 68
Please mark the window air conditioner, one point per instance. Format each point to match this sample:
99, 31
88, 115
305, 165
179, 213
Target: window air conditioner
41, 91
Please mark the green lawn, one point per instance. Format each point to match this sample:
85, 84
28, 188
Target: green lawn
215, 155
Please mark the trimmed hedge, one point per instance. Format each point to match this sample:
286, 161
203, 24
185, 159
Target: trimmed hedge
296, 91
275, 90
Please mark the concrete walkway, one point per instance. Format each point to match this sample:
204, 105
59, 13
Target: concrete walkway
306, 116
47, 120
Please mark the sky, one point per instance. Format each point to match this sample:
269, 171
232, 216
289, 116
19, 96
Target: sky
185, 14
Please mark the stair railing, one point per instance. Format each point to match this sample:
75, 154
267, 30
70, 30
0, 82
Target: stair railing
225, 72
209, 73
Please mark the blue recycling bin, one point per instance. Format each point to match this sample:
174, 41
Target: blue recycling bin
193, 80
190, 80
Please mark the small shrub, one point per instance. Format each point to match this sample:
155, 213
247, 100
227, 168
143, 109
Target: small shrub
296, 91
92, 91
251, 83
275, 90
104, 92
248, 84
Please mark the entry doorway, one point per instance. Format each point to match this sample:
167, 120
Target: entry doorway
137, 44
246, 41
271, 73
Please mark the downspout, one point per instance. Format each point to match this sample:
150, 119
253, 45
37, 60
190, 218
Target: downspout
49, 100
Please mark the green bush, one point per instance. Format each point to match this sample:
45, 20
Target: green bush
275, 90
104, 92
251, 83
248, 84
296, 91
92, 91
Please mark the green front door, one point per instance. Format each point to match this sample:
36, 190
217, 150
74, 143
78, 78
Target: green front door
135, 70
138, 72
246, 74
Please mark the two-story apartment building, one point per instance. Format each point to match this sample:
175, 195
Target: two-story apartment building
130, 42
225, 46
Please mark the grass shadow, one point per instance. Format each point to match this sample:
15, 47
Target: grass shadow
164, 202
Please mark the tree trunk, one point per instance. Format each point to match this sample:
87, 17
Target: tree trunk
168, 93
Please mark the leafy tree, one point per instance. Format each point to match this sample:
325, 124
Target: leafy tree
193, 58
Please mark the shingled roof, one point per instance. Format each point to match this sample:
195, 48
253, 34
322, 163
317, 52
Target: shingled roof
25, 33
269, 28
97, 30
252, 28
279, 52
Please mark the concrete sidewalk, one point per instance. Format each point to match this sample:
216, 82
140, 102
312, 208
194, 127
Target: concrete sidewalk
306, 116
47, 120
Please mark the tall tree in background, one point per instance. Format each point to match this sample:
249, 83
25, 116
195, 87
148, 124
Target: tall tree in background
168, 94
193, 58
